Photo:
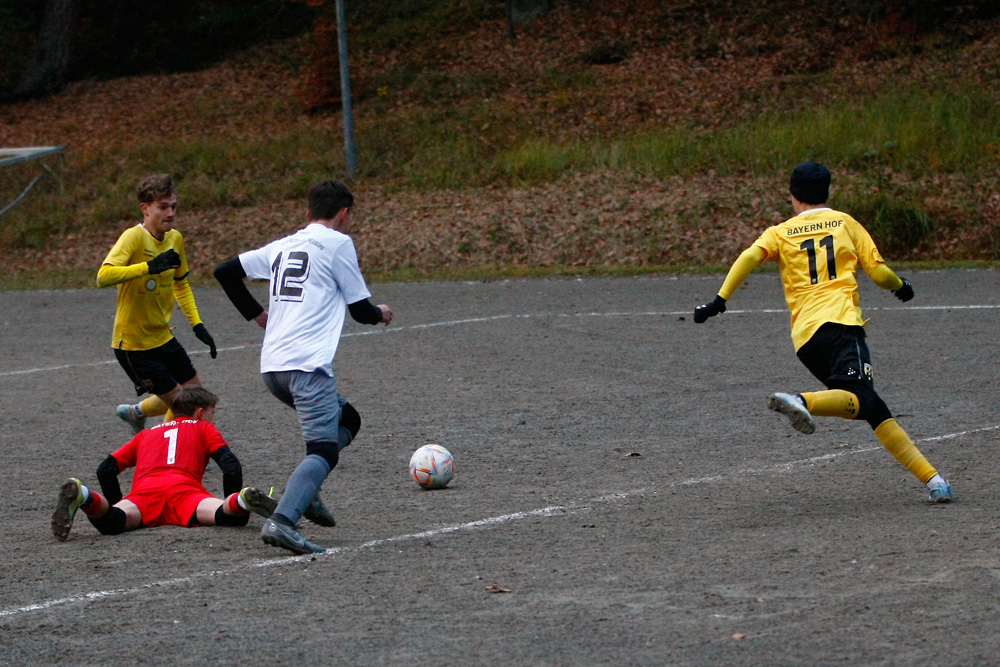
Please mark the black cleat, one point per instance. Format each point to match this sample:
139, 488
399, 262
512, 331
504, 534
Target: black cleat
279, 535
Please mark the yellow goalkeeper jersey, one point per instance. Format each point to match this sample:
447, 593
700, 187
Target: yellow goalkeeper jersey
145, 301
818, 252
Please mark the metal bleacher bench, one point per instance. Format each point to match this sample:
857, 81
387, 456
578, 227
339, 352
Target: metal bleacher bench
11, 156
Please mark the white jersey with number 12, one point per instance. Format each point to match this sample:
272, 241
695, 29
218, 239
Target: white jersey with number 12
313, 275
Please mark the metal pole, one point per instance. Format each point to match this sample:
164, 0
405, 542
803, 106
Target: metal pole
345, 93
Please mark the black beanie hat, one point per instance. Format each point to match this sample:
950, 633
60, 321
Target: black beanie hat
810, 183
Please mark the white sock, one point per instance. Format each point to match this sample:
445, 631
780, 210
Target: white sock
935, 479
239, 501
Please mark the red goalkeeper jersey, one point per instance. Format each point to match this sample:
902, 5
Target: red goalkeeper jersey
176, 449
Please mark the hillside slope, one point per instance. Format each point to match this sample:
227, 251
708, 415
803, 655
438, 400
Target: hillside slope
243, 147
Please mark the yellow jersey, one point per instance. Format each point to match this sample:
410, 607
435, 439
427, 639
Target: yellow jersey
145, 301
818, 252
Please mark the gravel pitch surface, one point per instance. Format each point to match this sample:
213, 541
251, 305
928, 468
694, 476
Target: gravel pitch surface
622, 494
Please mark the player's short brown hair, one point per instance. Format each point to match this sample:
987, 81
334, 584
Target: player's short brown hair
191, 397
155, 187
327, 198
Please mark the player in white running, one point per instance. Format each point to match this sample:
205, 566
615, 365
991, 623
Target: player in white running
315, 281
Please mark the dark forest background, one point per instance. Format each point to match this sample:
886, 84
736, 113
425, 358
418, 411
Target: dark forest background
44, 45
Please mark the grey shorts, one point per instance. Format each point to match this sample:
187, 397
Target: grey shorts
315, 400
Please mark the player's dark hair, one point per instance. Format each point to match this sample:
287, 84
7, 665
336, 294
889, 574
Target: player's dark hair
810, 183
191, 397
327, 198
155, 187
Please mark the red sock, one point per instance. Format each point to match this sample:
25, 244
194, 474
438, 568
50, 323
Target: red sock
93, 506
233, 502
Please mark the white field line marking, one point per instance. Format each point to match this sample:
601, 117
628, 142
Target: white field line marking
478, 320
488, 523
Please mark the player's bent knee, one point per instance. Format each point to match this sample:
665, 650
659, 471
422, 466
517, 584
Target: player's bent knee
109, 466
871, 407
325, 450
223, 519
112, 523
879, 412
350, 419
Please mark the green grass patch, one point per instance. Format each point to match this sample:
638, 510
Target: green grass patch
909, 130
906, 132
412, 23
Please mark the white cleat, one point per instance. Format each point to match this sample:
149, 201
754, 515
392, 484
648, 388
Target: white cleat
792, 407
128, 414
940, 490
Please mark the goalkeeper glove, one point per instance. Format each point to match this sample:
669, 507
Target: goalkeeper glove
202, 333
164, 262
904, 293
710, 309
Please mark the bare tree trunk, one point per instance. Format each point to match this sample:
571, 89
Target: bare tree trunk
47, 71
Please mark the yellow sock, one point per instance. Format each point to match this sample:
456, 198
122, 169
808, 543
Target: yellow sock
894, 439
169, 416
832, 403
153, 406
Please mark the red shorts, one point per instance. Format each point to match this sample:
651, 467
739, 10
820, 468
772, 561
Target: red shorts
166, 500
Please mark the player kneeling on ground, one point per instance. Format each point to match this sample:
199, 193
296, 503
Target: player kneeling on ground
819, 251
167, 488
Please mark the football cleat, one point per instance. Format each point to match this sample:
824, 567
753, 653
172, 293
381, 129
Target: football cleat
257, 502
70, 500
279, 535
318, 513
940, 491
128, 414
794, 408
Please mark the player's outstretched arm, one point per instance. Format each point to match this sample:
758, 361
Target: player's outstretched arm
904, 293
710, 309
202, 334
748, 260
886, 278
365, 312
232, 471
230, 275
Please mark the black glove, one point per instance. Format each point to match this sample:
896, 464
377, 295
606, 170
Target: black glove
710, 309
202, 333
164, 262
904, 293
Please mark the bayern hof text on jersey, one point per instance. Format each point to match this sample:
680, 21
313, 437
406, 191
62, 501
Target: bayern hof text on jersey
814, 227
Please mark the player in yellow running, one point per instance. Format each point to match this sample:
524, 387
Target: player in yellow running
818, 252
149, 266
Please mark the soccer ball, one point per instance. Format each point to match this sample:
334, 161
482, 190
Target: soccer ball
432, 466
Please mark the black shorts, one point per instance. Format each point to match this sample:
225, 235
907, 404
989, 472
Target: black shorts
838, 352
158, 370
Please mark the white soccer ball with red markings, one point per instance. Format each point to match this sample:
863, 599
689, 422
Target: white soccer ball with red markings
432, 466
